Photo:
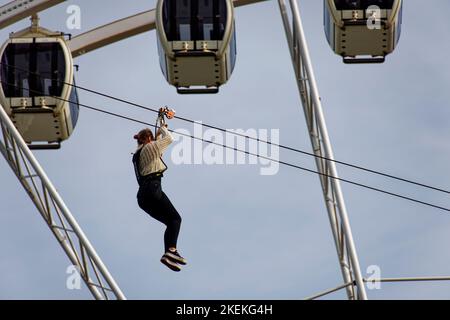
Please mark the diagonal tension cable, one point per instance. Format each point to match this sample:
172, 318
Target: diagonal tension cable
250, 153
347, 164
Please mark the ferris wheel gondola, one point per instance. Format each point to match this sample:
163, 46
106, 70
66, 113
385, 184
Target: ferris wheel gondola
196, 43
37, 86
363, 31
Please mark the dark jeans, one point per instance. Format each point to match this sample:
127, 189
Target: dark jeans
154, 201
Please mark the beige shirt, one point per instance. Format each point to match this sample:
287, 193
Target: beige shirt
150, 158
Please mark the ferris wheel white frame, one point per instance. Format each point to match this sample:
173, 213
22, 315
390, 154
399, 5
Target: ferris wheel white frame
17, 154
145, 21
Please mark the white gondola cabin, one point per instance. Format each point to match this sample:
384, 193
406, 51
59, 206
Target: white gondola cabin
36, 91
363, 31
196, 43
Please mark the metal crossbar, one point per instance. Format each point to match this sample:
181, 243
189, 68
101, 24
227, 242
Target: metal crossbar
380, 280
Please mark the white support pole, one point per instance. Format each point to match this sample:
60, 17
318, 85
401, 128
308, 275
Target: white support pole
84, 256
410, 279
312, 105
315, 141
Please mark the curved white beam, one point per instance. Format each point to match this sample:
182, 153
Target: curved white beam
111, 33
20, 9
122, 29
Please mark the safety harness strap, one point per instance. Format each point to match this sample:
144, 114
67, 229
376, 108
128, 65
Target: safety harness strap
140, 178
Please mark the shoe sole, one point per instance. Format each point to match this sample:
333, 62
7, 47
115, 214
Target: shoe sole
175, 258
172, 266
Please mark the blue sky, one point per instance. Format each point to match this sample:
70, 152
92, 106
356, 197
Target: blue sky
247, 236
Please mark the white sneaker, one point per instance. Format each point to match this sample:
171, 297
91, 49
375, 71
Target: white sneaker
175, 257
171, 265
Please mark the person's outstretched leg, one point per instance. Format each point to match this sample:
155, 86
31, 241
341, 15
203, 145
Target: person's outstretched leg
172, 230
172, 221
156, 204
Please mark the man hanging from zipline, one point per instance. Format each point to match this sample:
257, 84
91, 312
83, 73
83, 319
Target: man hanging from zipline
149, 168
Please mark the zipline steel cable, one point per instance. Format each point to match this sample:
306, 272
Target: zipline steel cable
255, 155
140, 106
